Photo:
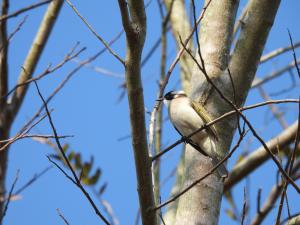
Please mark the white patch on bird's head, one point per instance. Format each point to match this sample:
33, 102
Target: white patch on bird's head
181, 93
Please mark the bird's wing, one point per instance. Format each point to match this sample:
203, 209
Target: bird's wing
189, 141
205, 117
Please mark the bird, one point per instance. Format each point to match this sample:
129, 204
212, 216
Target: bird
187, 116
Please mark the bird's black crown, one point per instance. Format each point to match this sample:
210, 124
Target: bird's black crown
174, 94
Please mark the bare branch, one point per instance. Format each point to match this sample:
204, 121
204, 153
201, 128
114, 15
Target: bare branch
9, 197
194, 183
268, 205
23, 131
25, 9
294, 54
244, 207
34, 136
71, 55
12, 34
277, 52
32, 180
95, 33
34, 54
60, 86
62, 217
271, 199
259, 81
277, 114
258, 202
76, 180
259, 156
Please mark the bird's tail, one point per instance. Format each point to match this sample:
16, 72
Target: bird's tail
223, 172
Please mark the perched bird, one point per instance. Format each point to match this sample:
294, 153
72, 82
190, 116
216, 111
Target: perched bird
187, 116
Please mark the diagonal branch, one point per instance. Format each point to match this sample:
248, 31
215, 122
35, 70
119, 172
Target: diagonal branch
34, 55
25, 9
71, 55
2, 215
259, 156
95, 33
75, 178
259, 81
194, 183
278, 52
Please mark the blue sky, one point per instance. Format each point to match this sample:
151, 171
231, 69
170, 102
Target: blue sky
88, 108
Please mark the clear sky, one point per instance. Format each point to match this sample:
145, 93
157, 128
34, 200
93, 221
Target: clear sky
89, 108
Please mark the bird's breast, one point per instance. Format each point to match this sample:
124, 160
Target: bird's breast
184, 117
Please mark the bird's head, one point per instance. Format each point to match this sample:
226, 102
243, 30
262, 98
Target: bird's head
173, 95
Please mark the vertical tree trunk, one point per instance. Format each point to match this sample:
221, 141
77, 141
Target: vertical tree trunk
201, 205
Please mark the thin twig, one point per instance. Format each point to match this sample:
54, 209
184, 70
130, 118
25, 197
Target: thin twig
62, 217
176, 196
76, 179
259, 81
32, 180
294, 54
150, 52
244, 208
33, 136
24, 130
290, 163
13, 33
277, 52
25, 9
275, 111
62, 84
49, 70
9, 197
95, 33
258, 201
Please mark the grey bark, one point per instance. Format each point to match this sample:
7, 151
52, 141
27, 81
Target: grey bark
202, 203
134, 23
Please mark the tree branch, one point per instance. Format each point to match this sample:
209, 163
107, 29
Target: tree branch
259, 156
134, 23
75, 178
107, 46
3, 55
34, 55
25, 9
